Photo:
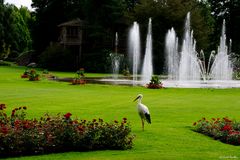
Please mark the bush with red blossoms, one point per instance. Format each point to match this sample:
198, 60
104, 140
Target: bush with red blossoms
155, 83
60, 133
223, 129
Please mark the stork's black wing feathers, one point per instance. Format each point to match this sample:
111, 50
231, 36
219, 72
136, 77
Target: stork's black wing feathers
148, 118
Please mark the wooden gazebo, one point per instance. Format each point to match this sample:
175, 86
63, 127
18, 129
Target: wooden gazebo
71, 36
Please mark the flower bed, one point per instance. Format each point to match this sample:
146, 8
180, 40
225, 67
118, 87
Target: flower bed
155, 83
60, 133
25, 74
79, 79
33, 76
225, 130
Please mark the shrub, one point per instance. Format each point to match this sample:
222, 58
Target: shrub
25, 74
225, 130
80, 78
45, 71
126, 72
33, 76
59, 133
56, 57
155, 83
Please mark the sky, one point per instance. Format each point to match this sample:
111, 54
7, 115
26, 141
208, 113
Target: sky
20, 3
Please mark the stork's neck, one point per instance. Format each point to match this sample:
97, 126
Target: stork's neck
139, 100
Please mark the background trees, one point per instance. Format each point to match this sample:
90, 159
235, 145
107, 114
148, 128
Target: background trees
103, 19
230, 11
14, 30
20, 29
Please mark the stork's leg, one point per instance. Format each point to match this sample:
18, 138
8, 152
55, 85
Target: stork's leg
143, 124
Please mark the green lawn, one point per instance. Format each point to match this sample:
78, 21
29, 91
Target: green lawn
173, 112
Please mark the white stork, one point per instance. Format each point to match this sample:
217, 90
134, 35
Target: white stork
143, 111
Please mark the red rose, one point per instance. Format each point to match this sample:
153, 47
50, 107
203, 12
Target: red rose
4, 130
67, 115
227, 128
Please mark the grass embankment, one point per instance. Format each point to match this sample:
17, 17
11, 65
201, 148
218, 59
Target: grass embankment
172, 110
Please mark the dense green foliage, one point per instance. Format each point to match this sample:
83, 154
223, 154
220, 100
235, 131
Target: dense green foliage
230, 11
107, 17
104, 18
56, 57
173, 112
14, 30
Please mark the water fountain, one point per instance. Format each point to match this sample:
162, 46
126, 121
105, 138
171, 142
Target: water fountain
115, 59
116, 42
222, 67
134, 50
133, 55
115, 63
172, 55
147, 69
189, 68
186, 68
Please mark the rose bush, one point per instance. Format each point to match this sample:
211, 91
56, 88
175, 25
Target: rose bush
225, 130
60, 133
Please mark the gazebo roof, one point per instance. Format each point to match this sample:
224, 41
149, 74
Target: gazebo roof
75, 22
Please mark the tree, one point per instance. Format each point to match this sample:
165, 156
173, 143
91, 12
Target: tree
230, 11
103, 18
14, 31
5, 52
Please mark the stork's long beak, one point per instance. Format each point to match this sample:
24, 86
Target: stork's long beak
136, 98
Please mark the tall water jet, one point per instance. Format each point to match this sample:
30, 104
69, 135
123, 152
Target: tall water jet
222, 66
115, 59
172, 55
147, 69
189, 68
134, 50
115, 62
116, 42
